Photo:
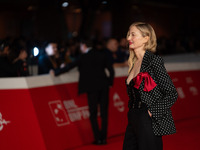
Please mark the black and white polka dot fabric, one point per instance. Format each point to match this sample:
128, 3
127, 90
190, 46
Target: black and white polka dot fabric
159, 100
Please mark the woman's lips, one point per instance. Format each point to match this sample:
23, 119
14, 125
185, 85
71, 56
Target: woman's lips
130, 43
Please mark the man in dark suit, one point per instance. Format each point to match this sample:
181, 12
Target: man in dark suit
94, 81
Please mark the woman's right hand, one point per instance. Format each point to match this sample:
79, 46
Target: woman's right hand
150, 114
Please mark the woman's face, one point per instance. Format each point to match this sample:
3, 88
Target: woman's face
135, 39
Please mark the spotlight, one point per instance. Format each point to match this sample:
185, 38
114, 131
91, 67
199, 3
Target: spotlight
35, 51
65, 4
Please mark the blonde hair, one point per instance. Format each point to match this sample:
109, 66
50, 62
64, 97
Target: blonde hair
146, 30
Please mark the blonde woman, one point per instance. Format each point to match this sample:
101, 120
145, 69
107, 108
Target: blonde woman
150, 90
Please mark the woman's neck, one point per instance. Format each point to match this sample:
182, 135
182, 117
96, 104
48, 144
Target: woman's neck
139, 54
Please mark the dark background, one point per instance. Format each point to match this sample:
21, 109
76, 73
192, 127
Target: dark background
47, 19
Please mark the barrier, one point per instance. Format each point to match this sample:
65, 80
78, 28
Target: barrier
19, 126
45, 113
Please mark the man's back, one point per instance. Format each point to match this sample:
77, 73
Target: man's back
94, 81
92, 67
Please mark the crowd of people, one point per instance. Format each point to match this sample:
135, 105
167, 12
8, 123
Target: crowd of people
13, 58
16, 54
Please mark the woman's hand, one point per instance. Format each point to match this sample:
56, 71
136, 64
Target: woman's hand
149, 113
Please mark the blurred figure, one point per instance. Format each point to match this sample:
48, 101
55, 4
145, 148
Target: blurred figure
4, 48
114, 54
162, 46
73, 51
179, 46
69, 52
94, 81
13, 60
49, 58
98, 44
20, 54
123, 47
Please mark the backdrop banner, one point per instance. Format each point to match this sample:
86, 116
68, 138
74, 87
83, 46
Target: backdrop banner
56, 117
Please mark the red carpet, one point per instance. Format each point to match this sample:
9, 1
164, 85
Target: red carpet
186, 138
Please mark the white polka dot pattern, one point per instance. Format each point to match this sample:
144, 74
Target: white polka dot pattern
162, 97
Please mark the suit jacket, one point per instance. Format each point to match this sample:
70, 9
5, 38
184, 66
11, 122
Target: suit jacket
161, 98
92, 75
44, 64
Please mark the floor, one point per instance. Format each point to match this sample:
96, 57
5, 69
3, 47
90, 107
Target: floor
186, 138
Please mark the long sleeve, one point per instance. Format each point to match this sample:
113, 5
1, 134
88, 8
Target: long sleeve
68, 67
166, 86
110, 68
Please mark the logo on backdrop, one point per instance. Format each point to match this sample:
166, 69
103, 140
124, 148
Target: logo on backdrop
2, 122
118, 103
66, 111
76, 113
193, 90
59, 113
181, 94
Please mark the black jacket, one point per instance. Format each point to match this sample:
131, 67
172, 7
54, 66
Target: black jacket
44, 64
159, 100
92, 75
9, 69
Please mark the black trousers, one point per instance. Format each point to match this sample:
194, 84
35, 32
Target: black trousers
95, 99
139, 134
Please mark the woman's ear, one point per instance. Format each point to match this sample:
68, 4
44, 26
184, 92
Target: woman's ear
146, 38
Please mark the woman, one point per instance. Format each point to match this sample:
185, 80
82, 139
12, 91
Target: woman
150, 90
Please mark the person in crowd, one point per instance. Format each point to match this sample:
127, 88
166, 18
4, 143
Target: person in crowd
73, 51
13, 60
151, 92
123, 47
20, 50
98, 44
49, 58
114, 54
69, 52
94, 81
